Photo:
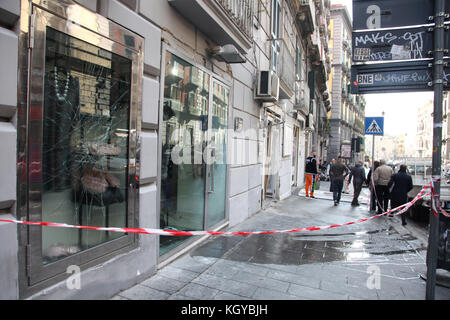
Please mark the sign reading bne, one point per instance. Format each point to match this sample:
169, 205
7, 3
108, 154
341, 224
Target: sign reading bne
364, 78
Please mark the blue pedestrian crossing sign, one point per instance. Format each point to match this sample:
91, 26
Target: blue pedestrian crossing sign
374, 126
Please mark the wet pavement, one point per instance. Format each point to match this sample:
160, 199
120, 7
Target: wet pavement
376, 259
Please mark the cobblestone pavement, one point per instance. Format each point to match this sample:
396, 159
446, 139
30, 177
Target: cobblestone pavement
376, 260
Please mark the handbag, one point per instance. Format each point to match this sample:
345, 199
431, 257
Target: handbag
99, 189
94, 181
316, 185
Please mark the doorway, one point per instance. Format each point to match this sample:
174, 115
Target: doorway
272, 157
194, 145
295, 153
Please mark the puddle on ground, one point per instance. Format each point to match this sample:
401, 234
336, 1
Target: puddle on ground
291, 249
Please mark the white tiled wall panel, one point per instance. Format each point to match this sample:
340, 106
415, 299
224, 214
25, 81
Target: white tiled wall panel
149, 155
90, 4
8, 136
131, 20
8, 66
238, 180
238, 208
150, 100
254, 201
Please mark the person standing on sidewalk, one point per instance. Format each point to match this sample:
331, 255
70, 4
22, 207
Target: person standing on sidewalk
359, 177
333, 161
371, 185
338, 171
401, 183
381, 177
310, 174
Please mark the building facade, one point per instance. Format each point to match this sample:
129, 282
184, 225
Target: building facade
347, 110
387, 147
424, 141
182, 115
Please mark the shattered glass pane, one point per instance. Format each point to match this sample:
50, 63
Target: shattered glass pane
85, 144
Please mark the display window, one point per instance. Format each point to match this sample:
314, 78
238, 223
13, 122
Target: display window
80, 146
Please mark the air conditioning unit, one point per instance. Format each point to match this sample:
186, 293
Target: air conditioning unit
267, 86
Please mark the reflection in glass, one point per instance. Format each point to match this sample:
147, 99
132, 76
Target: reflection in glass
218, 144
183, 134
85, 144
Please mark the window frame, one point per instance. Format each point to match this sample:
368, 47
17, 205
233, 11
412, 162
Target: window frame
275, 32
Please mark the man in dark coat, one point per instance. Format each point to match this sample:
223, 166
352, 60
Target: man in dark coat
338, 171
359, 177
401, 183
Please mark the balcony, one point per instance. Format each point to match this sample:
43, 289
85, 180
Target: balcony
301, 97
327, 104
305, 18
315, 48
319, 6
322, 77
223, 21
286, 72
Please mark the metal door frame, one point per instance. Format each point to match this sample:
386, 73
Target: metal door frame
36, 16
214, 80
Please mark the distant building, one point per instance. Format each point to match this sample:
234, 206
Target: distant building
347, 110
424, 142
387, 147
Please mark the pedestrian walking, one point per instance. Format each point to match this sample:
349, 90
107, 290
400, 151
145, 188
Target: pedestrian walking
371, 186
381, 177
400, 184
358, 174
338, 172
333, 161
346, 181
310, 174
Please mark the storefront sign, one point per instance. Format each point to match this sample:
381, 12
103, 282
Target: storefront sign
346, 151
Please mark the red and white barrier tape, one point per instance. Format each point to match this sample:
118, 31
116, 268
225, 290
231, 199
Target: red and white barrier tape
434, 202
163, 232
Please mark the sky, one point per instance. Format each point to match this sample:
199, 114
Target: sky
400, 108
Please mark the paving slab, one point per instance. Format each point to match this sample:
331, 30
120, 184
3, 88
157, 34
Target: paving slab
140, 292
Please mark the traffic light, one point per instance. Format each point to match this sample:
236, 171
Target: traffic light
356, 144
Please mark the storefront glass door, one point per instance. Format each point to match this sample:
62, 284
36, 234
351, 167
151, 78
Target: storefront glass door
193, 138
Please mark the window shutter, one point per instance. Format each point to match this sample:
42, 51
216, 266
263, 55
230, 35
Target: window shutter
312, 83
